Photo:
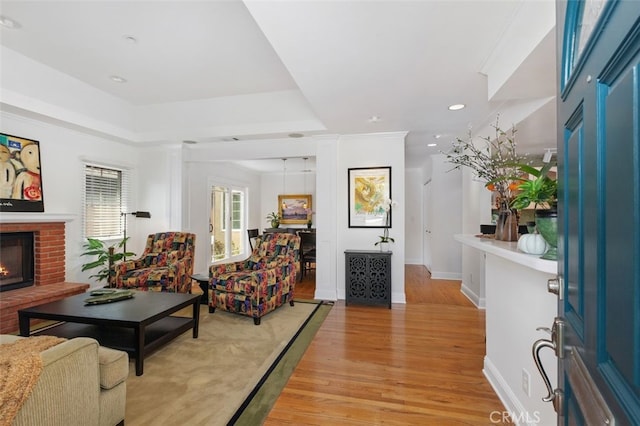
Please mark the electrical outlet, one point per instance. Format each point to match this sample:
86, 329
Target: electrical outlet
526, 381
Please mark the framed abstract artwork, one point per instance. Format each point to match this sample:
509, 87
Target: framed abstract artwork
369, 188
20, 175
294, 208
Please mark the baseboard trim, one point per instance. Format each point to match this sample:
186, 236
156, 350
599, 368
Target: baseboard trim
398, 297
325, 295
439, 275
473, 297
511, 403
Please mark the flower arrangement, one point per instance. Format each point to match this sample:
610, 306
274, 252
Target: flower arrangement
386, 206
496, 163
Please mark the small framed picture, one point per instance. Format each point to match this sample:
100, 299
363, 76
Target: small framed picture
369, 191
294, 208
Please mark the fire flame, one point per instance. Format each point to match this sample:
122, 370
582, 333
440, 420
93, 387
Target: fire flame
3, 271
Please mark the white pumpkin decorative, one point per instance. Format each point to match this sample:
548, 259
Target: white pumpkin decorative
532, 244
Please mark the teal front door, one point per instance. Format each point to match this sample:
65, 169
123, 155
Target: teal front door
599, 212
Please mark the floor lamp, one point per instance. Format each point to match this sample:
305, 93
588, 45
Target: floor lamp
145, 215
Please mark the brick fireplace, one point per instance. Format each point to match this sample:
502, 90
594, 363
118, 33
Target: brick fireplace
49, 271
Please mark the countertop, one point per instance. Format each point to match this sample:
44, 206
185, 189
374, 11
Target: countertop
509, 251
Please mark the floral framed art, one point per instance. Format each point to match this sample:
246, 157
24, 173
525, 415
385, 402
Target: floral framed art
369, 190
294, 208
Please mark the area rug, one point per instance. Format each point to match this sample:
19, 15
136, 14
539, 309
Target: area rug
231, 374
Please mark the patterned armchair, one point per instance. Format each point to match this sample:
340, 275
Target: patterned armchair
165, 265
259, 284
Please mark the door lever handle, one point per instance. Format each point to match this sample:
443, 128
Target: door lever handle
539, 344
557, 344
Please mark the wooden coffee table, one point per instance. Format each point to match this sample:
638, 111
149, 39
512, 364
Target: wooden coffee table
137, 325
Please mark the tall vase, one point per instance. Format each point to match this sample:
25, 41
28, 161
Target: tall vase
507, 224
547, 225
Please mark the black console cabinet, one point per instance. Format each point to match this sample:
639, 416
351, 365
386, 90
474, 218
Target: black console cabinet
368, 277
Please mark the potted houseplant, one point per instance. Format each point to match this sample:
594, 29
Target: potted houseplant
274, 219
106, 257
541, 191
385, 239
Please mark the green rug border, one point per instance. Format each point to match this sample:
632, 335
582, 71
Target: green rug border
258, 404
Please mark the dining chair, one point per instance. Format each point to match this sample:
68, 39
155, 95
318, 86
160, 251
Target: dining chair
253, 233
307, 252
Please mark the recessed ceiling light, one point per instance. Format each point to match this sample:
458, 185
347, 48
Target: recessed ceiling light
456, 107
9, 23
118, 79
296, 135
432, 144
374, 119
437, 136
130, 39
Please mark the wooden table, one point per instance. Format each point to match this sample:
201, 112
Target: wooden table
137, 326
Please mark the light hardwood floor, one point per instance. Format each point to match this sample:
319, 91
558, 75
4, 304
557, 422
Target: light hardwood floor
419, 363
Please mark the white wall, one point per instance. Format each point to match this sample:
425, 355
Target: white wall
414, 227
209, 158
372, 150
271, 187
445, 219
62, 152
476, 210
171, 182
200, 175
517, 303
334, 155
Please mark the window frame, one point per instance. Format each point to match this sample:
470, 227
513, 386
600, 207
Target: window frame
225, 209
113, 227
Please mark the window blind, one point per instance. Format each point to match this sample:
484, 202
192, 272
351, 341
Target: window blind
105, 197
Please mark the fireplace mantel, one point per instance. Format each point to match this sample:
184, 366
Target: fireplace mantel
36, 217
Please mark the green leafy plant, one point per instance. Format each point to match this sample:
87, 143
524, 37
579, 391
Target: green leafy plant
541, 190
385, 238
105, 257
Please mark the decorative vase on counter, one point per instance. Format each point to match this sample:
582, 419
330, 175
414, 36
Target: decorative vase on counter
507, 224
547, 225
384, 245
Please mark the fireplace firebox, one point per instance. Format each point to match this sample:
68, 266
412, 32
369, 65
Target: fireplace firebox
16, 260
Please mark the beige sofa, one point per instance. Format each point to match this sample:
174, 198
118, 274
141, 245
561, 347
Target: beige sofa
81, 384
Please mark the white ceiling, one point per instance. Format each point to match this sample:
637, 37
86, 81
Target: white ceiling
265, 69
